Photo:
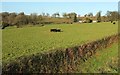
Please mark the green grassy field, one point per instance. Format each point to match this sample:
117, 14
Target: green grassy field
104, 61
0, 48
17, 42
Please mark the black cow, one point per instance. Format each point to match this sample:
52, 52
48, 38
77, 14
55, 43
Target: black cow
55, 30
113, 22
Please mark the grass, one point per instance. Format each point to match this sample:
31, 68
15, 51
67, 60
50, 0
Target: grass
17, 42
0, 50
104, 61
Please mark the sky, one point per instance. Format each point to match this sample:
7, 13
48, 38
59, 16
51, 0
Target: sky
80, 8
59, 0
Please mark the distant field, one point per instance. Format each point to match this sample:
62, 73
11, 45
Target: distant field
17, 42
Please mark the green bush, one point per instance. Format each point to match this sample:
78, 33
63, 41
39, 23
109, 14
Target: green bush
88, 20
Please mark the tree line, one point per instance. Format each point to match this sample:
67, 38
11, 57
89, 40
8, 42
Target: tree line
20, 19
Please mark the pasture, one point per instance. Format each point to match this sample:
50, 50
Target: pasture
25, 41
104, 61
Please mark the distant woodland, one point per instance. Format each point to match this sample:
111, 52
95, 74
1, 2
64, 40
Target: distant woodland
20, 19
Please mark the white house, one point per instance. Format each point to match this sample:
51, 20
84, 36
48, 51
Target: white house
94, 21
80, 21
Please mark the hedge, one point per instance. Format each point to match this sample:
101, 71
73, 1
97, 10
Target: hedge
59, 60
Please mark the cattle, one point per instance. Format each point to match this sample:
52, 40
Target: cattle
113, 22
55, 30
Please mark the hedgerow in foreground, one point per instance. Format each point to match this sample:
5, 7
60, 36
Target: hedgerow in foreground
61, 60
